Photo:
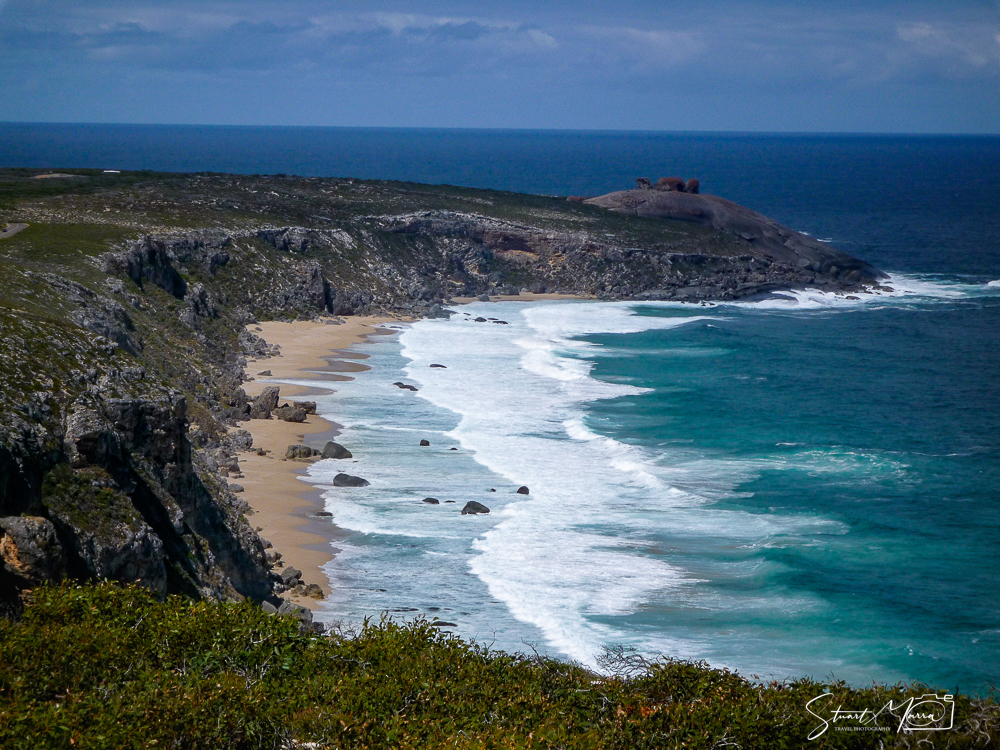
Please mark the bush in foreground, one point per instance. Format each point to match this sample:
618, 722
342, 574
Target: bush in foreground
110, 667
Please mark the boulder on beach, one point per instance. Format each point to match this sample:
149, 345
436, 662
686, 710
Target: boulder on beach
313, 591
424, 443
432, 501
336, 450
346, 480
309, 407
522, 490
300, 451
290, 575
264, 403
483, 298
289, 414
268, 397
472, 508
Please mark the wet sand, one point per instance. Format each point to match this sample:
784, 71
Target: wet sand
283, 505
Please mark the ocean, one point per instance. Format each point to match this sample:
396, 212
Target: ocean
801, 486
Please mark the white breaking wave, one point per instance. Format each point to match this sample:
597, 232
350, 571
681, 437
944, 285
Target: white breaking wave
579, 549
993, 284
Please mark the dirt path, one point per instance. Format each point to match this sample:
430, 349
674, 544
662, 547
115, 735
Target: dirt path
11, 230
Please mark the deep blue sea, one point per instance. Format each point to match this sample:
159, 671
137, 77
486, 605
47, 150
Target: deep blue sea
804, 486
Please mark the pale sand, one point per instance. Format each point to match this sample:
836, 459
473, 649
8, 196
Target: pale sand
283, 505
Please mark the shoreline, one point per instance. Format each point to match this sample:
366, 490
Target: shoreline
283, 506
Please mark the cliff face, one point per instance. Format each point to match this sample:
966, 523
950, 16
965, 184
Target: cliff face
98, 487
123, 314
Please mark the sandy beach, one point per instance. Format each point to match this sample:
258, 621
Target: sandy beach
284, 506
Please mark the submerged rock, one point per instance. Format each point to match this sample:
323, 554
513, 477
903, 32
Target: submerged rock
432, 501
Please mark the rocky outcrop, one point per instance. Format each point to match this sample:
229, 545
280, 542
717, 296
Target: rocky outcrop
473, 508
149, 260
122, 497
763, 237
668, 184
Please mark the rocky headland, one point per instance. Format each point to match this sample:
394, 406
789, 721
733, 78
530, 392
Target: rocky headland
124, 341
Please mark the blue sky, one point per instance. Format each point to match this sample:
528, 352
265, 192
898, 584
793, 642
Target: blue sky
838, 65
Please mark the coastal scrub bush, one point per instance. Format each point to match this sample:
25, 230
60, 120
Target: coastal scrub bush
105, 666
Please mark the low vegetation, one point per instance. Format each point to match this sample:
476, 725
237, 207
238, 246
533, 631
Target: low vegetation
104, 666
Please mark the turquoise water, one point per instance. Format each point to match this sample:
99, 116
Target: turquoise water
788, 488
877, 418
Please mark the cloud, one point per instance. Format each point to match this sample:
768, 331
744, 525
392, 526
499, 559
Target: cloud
958, 47
563, 56
646, 48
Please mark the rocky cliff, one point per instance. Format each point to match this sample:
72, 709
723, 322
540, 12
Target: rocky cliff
123, 331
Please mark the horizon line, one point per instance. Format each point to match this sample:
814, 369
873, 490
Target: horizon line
595, 131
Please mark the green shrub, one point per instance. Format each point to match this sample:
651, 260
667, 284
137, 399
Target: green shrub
110, 667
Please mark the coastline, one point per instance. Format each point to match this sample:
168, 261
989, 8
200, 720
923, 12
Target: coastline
285, 507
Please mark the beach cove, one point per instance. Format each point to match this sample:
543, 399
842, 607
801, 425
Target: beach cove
315, 355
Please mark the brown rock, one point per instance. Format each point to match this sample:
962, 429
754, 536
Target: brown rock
670, 184
693, 186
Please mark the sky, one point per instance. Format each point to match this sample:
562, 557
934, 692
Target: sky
883, 66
